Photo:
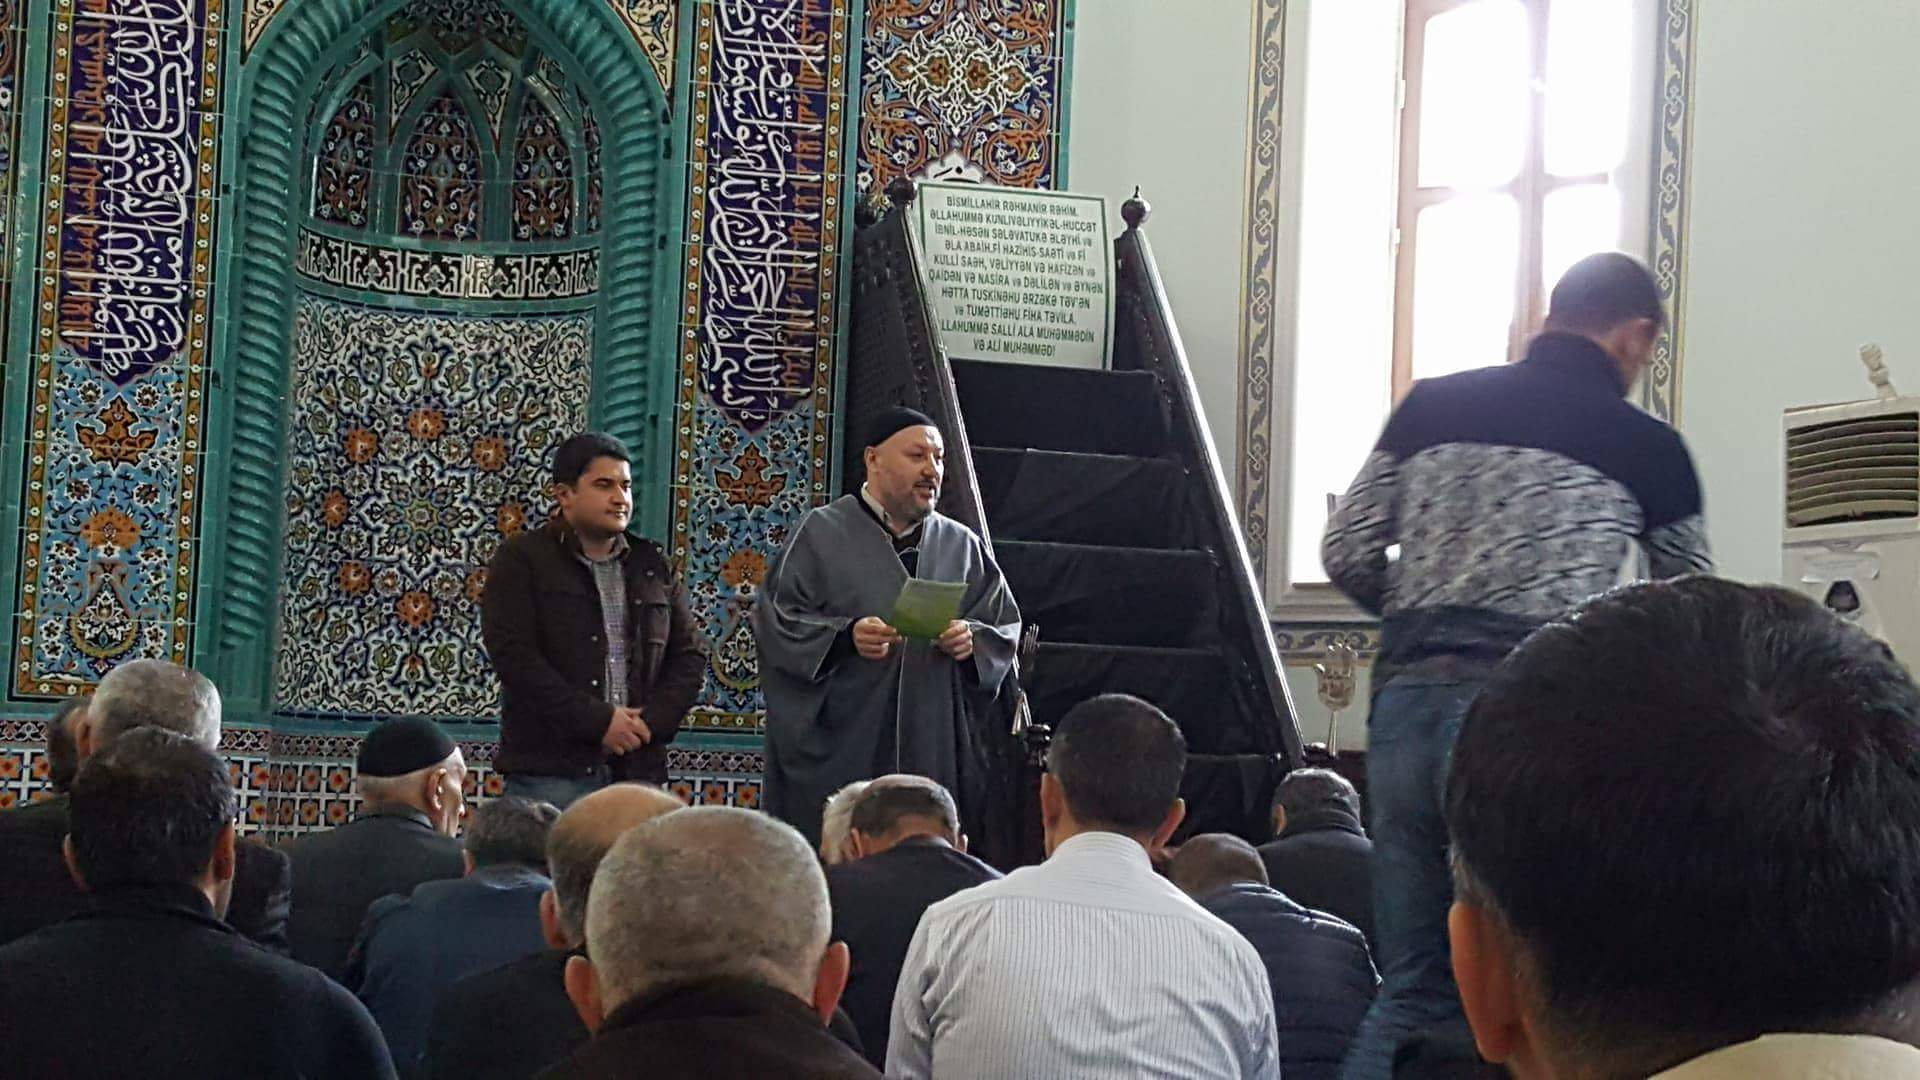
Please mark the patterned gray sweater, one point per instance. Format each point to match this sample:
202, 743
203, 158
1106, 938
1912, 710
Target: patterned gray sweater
1512, 493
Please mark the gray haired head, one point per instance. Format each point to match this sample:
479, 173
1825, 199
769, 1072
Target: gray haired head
155, 693
836, 823
710, 892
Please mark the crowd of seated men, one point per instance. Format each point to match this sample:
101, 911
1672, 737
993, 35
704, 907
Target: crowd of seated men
1685, 831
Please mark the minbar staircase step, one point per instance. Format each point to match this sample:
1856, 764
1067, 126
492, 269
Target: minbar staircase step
1190, 685
1074, 498
1027, 406
1113, 595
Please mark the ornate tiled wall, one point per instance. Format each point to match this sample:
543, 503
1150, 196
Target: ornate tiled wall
765, 202
949, 84
290, 783
788, 106
974, 85
119, 339
417, 442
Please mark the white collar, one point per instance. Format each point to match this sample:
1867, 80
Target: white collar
1798, 1056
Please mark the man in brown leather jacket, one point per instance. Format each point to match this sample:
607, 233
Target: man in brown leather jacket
590, 633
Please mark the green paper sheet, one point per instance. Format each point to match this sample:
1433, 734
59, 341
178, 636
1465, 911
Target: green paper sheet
926, 608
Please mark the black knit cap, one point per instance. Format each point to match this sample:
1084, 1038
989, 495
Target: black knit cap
399, 747
895, 420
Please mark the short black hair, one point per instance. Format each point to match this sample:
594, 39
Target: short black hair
1212, 861
1119, 761
512, 831
148, 810
1602, 291
574, 456
1697, 806
63, 753
881, 806
1304, 791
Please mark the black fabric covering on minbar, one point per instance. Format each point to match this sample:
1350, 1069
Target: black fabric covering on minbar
1021, 406
1065, 498
1112, 596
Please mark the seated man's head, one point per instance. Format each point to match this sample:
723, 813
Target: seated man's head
412, 764
510, 831
579, 840
1114, 765
63, 748
151, 693
707, 894
836, 824
153, 810
1308, 795
1686, 816
1213, 861
902, 807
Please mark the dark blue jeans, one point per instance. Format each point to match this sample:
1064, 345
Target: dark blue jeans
561, 791
1410, 735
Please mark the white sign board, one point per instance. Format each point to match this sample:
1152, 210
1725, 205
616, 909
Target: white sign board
1017, 275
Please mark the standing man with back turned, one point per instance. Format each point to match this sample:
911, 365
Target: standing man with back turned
848, 698
1514, 493
591, 636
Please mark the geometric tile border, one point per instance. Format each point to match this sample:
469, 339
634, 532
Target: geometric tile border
292, 784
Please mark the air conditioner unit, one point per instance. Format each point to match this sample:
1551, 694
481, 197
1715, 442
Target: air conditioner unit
1852, 539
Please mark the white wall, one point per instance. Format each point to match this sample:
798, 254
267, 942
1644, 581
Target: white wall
1805, 238
1159, 100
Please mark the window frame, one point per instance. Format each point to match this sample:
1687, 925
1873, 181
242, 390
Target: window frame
1636, 179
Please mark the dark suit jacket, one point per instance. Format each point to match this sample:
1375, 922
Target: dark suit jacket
877, 903
728, 1029
147, 983
338, 873
36, 890
469, 1041
416, 946
1323, 979
1324, 861
545, 635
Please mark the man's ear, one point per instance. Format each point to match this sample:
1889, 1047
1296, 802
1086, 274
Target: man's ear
1483, 966
73, 864
1176, 814
83, 746
1053, 801
550, 922
1279, 820
466, 863
225, 857
962, 845
831, 982
583, 989
857, 845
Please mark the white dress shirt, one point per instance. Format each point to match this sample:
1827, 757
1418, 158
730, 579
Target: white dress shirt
1803, 1057
1089, 964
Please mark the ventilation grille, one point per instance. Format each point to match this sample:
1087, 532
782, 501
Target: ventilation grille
1854, 470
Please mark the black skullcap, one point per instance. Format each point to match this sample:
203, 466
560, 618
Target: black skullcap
399, 747
895, 420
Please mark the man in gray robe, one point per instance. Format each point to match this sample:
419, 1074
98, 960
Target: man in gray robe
849, 697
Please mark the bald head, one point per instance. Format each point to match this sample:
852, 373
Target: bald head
1214, 861
583, 836
710, 892
154, 693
